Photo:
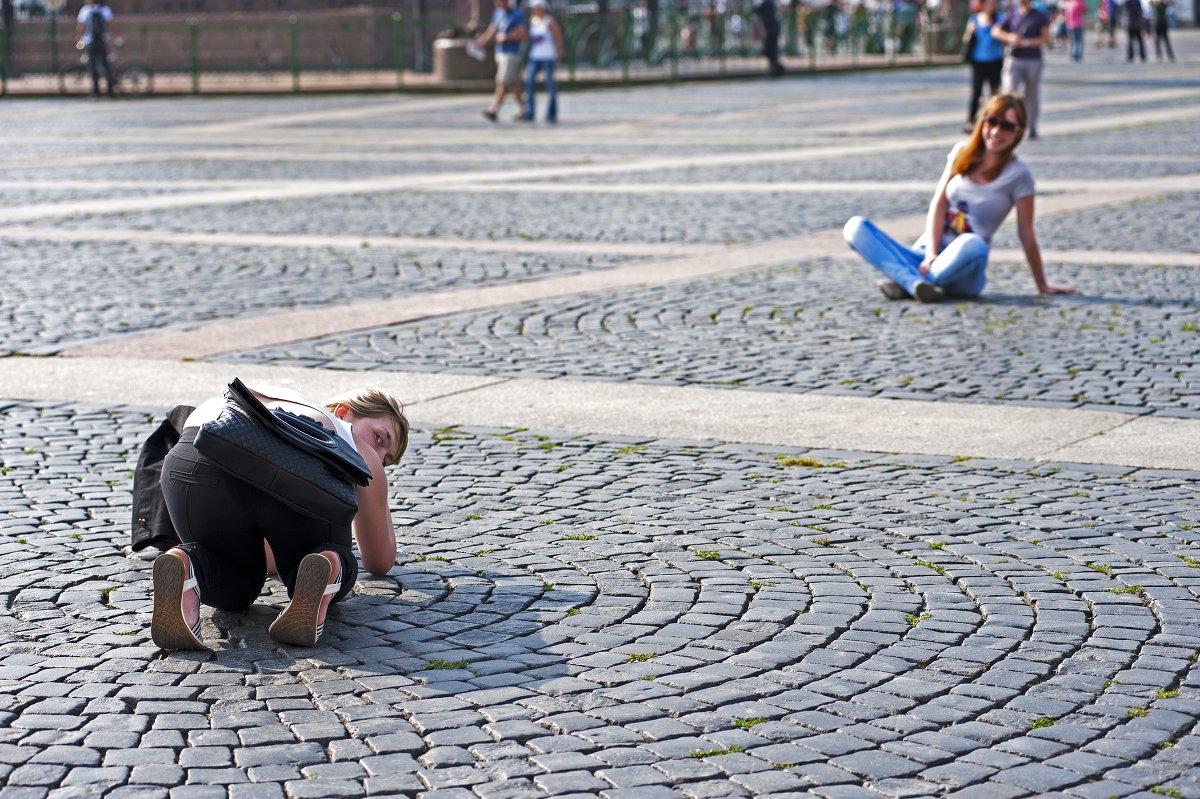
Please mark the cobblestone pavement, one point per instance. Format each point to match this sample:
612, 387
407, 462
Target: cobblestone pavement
1128, 343
579, 614
238, 280
582, 614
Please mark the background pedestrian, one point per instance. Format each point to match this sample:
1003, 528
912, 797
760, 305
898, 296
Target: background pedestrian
508, 29
91, 30
1161, 10
986, 55
1074, 11
545, 48
1135, 26
1026, 32
768, 12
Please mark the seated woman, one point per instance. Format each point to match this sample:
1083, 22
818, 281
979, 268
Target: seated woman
982, 182
223, 522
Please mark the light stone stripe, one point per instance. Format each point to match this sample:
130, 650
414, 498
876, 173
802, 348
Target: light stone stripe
626, 409
1176, 183
302, 189
658, 132
1104, 257
911, 227
662, 250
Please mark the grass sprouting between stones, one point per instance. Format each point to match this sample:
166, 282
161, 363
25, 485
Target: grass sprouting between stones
708, 554
1040, 723
745, 724
809, 463
437, 664
640, 657
728, 750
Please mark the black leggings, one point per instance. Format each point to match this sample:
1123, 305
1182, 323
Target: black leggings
982, 71
223, 522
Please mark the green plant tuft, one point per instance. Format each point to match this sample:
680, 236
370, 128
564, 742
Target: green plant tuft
729, 750
745, 724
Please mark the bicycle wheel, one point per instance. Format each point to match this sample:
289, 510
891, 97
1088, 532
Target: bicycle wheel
75, 80
135, 78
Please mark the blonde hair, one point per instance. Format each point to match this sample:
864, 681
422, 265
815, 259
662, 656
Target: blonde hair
972, 152
375, 402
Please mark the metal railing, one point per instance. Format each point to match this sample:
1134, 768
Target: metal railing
373, 48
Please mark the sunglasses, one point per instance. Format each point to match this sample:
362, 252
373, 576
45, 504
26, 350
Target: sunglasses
1003, 124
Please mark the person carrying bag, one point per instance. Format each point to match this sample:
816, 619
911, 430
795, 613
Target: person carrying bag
266, 472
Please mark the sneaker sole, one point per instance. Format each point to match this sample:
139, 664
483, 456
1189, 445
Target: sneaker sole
167, 627
297, 624
927, 292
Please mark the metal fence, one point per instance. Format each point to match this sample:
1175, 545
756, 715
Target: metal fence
373, 48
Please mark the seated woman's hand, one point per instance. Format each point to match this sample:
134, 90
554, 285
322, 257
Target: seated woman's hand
1048, 289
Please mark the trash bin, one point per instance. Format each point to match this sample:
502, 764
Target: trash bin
451, 62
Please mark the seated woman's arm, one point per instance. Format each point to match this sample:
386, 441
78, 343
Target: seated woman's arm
373, 530
1033, 253
935, 220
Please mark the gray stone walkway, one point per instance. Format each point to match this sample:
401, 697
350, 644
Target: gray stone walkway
595, 597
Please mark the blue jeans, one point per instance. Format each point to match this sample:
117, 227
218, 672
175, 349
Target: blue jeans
531, 73
959, 269
1076, 35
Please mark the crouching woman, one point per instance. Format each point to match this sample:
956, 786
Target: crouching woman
223, 522
983, 181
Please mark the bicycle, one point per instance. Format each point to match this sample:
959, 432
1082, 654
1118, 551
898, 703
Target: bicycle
133, 78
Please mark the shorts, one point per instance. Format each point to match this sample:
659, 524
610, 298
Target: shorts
508, 68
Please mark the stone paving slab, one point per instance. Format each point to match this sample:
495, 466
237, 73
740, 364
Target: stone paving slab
1037, 432
715, 620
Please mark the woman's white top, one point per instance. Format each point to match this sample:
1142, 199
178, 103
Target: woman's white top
211, 408
541, 40
981, 207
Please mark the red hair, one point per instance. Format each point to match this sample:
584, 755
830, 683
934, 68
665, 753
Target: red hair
972, 152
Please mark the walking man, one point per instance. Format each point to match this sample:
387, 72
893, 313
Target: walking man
91, 29
769, 13
508, 29
1026, 32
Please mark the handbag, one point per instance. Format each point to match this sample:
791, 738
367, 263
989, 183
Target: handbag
306, 433
152, 525
969, 49
312, 472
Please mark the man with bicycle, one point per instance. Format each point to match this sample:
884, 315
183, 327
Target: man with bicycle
91, 29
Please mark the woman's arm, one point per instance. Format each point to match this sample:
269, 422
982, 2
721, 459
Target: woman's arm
969, 31
372, 526
1033, 254
556, 32
935, 220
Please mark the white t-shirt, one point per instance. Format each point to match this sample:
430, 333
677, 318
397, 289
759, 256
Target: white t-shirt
541, 40
85, 16
981, 207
